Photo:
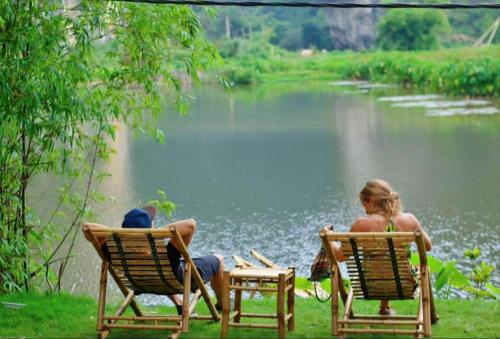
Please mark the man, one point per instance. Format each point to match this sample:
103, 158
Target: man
210, 267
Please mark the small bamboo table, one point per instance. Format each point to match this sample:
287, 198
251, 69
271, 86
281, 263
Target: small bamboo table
280, 281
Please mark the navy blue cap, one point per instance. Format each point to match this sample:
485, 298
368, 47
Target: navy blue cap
137, 218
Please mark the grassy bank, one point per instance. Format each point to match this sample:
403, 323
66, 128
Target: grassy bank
74, 317
466, 71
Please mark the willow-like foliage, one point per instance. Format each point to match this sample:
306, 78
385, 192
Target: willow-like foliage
69, 72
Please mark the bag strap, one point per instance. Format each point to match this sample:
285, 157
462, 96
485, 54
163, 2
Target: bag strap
315, 283
316, 292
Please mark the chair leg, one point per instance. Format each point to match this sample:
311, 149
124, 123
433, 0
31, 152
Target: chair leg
335, 300
281, 306
128, 300
185, 298
102, 333
237, 302
204, 292
125, 291
347, 313
420, 316
425, 300
224, 329
434, 315
291, 301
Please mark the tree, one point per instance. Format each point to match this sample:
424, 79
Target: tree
292, 29
407, 30
60, 99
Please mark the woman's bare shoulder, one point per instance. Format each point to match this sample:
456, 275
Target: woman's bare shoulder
409, 221
362, 224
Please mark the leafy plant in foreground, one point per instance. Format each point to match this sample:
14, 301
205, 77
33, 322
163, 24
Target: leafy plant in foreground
480, 276
446, 275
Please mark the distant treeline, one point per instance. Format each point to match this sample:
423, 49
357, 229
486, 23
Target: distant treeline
334, 29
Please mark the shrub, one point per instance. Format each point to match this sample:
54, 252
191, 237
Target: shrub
408, 30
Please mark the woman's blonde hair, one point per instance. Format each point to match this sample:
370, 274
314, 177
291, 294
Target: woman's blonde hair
386, 199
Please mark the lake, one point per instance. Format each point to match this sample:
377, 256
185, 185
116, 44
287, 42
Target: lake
265, 168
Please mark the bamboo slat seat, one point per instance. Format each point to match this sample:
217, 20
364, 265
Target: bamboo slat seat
137, 259
378, 268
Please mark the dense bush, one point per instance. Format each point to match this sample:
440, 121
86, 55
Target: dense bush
411, 30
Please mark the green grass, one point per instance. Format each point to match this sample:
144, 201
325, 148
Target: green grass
464, 71
65, 316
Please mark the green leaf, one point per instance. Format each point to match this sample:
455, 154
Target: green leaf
458, 279
482, 273
472, 253
160, 136
478, 292
450, 275
415, 259
442, 279
495, 291
435, 264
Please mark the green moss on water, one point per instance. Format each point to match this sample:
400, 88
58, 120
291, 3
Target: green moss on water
65, 316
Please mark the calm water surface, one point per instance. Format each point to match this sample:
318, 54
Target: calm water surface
266, 168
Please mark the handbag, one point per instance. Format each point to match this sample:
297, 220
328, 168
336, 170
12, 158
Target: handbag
321, 269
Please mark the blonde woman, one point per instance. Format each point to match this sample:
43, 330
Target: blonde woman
383, 213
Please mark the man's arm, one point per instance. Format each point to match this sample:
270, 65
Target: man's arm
186, 229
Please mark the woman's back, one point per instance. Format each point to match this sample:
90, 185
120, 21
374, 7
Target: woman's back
403, 222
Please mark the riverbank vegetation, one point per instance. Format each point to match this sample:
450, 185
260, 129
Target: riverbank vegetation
265, 44
464, 71
74, 317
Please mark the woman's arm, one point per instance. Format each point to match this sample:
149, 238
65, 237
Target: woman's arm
418, 227
336, 248
339, 254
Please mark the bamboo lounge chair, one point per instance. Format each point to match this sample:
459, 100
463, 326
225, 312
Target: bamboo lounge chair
138, 262
378, 268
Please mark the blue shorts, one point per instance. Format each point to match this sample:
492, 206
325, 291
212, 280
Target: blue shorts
207, 266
